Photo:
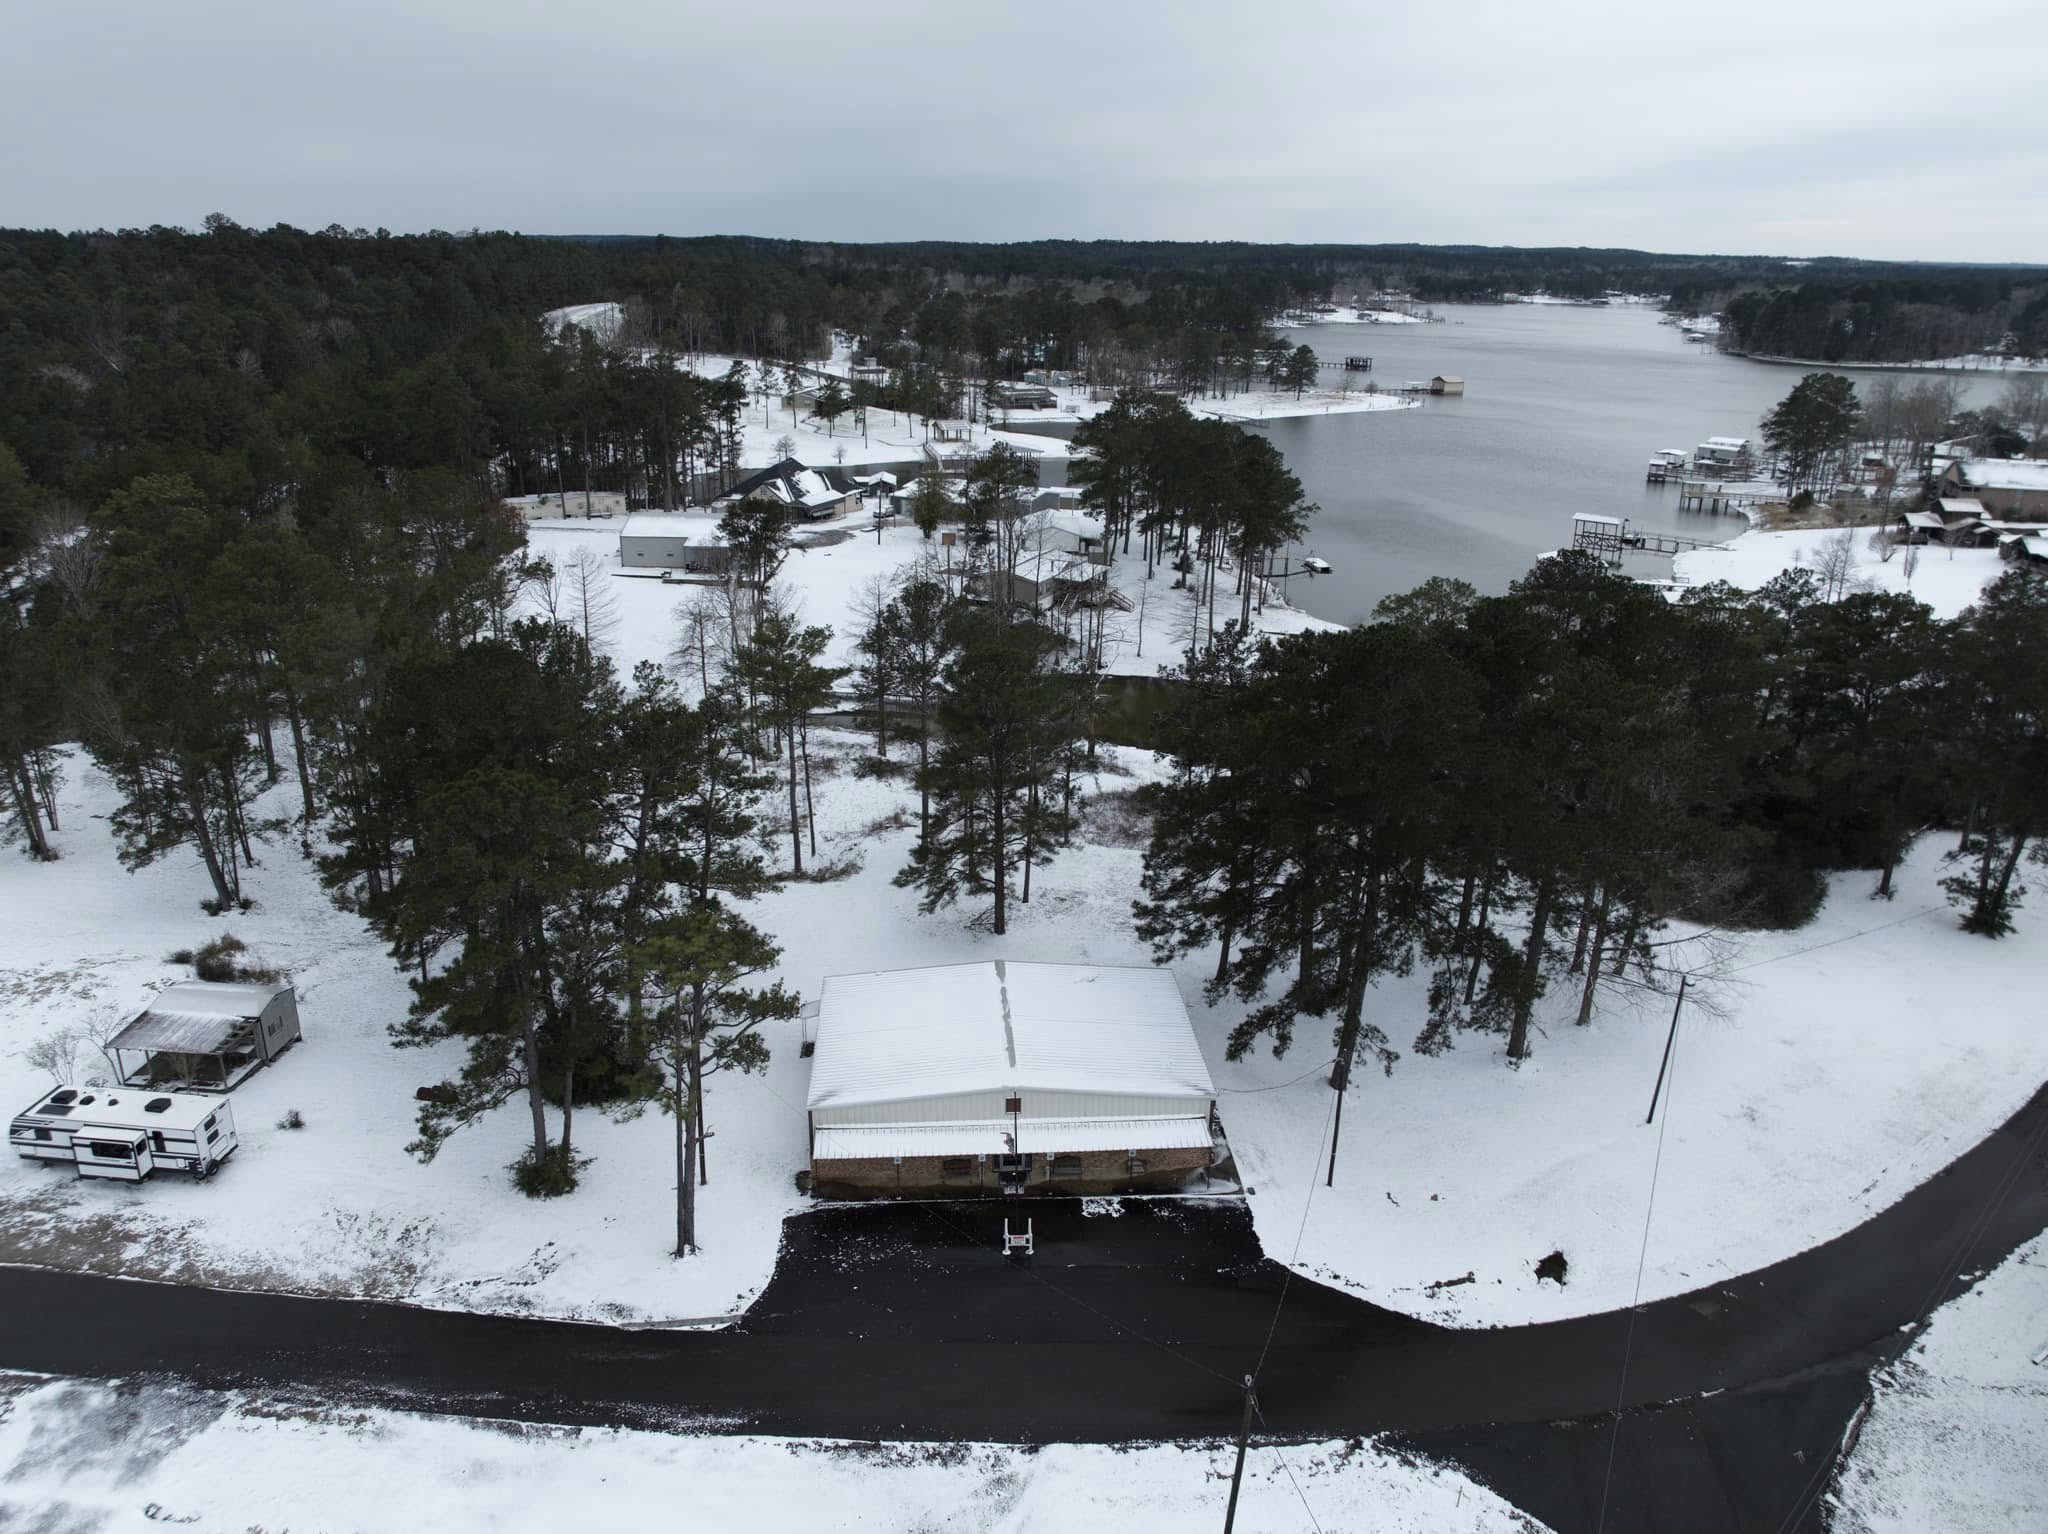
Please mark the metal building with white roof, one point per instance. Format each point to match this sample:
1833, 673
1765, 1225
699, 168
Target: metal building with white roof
1007, 1076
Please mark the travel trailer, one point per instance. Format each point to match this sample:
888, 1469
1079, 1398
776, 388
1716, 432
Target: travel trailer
126, 1134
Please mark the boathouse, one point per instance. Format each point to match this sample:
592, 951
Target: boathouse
1447, 383
995, 1077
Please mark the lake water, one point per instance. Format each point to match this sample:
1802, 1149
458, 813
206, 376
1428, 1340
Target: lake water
1562, 408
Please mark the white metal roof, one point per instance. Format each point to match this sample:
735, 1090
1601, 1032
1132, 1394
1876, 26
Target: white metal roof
1589, 516
2006, 473
991, 1137
1075, 524
124, 1107
697, 527
892, 1035
195, 1017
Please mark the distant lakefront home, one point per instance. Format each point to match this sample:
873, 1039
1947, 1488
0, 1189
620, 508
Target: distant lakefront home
1006, 1076
2013, 488
809, 495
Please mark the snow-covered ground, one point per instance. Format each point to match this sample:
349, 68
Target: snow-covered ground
1829, 1072
1349, 314
1148, 638
1947, 580
1958, 1437
137, 1457
1264, 406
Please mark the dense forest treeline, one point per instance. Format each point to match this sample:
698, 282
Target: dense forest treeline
266, 364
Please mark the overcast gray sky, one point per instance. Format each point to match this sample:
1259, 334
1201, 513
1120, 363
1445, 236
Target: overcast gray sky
1784, 126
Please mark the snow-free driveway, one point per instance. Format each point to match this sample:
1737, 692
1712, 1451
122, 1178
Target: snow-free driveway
903, 1322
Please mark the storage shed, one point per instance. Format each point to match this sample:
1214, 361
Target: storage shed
673, 541
1006, 1077
1447, 383
206, 1036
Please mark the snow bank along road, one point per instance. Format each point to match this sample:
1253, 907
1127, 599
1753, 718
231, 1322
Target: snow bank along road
902, 1322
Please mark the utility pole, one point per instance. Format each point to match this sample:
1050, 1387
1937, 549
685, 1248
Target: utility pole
1244, 1433
1669, 1039
1337, 1122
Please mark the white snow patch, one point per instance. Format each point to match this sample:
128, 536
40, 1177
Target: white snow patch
1958, 1437
137, 1458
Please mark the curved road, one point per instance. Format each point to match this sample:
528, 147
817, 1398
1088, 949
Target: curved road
902, 1322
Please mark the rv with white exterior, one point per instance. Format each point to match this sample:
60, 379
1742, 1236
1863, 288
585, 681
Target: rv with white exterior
126, 1134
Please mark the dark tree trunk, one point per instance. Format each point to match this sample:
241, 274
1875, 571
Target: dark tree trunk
796, 839
1593, 966
300, 760
1479, 931
46, 790
22, 789
1532, 961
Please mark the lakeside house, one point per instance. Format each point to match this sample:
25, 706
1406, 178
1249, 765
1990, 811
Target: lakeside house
2005, 487
999, 1076
807, 494
1723, 458
1021, 396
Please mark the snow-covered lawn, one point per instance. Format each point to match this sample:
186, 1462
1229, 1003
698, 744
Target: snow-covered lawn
138, 1457
1958, 1438
338, 1206
1947, 580
1265, 406
1148, 638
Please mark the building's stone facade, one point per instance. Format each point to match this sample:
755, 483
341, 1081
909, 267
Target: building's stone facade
974, 1176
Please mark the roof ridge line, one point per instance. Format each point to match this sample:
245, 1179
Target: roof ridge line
1003, 991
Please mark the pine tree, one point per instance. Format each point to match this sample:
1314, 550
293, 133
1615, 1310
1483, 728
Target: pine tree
1006, 723
702, 1016
779, 667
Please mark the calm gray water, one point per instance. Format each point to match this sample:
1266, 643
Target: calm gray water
1563, 407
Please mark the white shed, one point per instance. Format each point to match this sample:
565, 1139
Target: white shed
1007, 1075
673, 541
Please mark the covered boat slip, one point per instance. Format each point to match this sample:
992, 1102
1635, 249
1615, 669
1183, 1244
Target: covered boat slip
1007, 1077
206, 1036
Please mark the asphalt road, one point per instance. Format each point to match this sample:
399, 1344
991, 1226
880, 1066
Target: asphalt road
904, 1322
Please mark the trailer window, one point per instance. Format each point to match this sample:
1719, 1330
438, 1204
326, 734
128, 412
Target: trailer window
156, 1138
108, 1150
42, 1134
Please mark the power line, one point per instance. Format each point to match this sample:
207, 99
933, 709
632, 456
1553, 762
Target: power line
1300, 1232
1281, 1455
1945, 1276
1642, 1261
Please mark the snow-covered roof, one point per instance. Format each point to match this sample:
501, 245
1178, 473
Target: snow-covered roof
892, 1035
1961, 505
1926, 519
1729, 444
990, 1137
1076, 524
2005, 473
671, 524
195, 1017
1588, 516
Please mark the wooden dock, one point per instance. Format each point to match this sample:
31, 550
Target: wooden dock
1609, 538
1358, 364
